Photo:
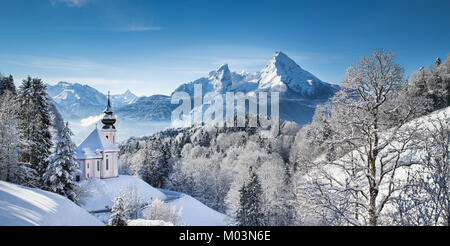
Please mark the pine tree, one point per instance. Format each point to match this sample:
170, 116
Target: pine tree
34, 127
7, 84
249, 212
432, 86
118, 217
8, 138
63, 166
438, 61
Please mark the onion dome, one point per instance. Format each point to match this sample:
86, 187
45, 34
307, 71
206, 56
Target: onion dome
108, 119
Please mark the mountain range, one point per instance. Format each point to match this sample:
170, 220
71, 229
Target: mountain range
300, 92
76, 101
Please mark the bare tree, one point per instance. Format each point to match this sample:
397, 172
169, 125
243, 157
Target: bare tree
369, 140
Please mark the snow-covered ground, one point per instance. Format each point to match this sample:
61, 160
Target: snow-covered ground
101, 192
195, 213
22, 206
29, 206
142, 222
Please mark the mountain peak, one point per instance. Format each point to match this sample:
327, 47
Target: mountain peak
282, 61
282, 74
223, 67
128, 93
221, 78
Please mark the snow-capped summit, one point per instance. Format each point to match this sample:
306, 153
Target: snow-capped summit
221, 79
282, 74
300, 90
120, 100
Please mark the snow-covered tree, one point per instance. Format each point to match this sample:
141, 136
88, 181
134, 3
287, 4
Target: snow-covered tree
11, 169
34, 127
157, 210
127, 206
9, 141
287, 214
152, 166
250, 211
425, 200
63, 166
132, 202
7, 84
118, 216
360, 179
431, 86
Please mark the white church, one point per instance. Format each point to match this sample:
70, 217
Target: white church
98, 154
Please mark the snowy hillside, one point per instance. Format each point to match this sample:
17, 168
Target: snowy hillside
401, 159
101, 192
195, 213
22, 206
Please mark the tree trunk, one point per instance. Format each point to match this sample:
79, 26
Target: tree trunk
373, 193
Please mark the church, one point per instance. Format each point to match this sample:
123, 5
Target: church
98, 154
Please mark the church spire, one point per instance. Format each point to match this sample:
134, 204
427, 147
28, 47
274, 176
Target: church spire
108, 109
109, 119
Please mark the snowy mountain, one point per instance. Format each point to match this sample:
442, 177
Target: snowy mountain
153, 108
123, 99
76, 101
23, 206
282, 74
300, 91
222, 80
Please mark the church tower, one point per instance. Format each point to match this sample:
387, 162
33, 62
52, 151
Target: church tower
108, 129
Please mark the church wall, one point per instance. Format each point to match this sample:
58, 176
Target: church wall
112, 170
110, 135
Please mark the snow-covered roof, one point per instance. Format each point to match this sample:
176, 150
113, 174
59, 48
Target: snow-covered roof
93, 145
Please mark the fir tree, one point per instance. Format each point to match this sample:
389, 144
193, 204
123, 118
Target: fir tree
8, 137
62, 168
7, 84
118, 216
249, 213
438, 61
34, 127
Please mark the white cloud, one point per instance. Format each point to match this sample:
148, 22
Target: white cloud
70, 3
80, 65
90, 120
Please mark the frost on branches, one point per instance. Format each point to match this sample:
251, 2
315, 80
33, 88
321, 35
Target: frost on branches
63, 166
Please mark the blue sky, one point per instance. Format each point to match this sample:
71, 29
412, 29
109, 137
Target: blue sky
153, 46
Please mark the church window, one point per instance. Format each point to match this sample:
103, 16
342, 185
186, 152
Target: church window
98, 165
107, 167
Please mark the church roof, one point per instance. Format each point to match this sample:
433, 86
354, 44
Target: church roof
93, 145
